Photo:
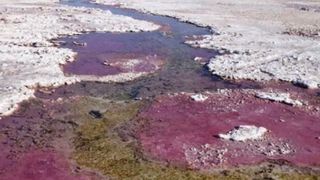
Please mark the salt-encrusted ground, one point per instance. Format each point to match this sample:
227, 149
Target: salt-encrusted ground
263, 40
27, 56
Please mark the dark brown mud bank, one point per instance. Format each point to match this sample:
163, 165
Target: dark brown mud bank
94, 130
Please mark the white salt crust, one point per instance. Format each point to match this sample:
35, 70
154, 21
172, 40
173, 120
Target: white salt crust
259, 40
28, 58
244, 133
199, 97
279, 97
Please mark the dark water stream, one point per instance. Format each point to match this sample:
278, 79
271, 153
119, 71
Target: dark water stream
180, 72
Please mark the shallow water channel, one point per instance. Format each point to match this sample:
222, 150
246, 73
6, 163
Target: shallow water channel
180, 71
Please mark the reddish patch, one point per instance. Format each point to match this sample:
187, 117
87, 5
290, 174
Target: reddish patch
34, 145
166, 29
111, 64
111, 54
41, 165
183, 131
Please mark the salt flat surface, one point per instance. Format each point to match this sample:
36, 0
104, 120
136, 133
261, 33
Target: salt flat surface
244, 132
279, 97
199, 97
261, 40
27, 56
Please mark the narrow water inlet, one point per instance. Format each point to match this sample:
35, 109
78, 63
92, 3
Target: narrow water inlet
179, 71
168, 45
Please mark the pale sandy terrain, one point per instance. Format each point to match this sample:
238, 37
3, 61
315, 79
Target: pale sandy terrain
264, 40
27, 56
